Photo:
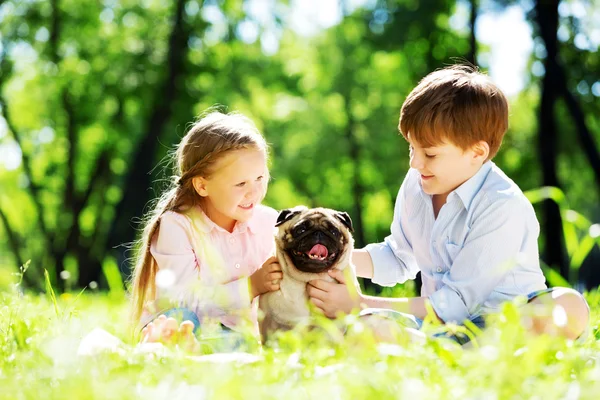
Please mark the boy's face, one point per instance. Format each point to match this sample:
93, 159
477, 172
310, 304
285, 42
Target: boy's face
445, 167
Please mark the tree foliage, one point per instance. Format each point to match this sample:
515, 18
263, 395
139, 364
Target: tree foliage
94, 95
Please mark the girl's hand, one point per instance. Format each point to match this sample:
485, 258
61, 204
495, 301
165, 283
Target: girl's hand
266, 278
333, 297
168, 331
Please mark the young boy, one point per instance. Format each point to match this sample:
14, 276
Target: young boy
458, 218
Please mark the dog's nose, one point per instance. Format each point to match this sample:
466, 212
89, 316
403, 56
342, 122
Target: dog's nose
319, 235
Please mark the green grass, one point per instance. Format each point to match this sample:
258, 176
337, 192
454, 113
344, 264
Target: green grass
40, 335
39, 340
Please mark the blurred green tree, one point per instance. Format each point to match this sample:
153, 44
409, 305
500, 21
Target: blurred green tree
94, 95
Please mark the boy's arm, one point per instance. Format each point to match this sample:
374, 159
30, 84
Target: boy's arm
363, 263
502, 236
334, 297
416, 306
392, 261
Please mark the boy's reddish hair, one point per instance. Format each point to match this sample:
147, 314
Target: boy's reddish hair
457, 104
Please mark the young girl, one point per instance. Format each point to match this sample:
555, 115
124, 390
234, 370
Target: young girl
206, 248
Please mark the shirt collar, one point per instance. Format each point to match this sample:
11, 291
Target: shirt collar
206, 224
467, 191
254, 224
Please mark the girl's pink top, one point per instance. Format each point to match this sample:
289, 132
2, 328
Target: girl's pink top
205, 268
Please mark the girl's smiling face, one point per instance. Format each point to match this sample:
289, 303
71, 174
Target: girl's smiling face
238, 184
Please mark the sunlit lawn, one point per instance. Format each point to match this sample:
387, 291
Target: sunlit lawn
39, 343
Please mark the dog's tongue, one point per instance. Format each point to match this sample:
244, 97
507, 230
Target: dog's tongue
318, 250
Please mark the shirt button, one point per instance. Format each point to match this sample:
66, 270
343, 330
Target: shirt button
439, 269
237, 266
231, 240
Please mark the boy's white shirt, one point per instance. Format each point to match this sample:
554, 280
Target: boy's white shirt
481, 250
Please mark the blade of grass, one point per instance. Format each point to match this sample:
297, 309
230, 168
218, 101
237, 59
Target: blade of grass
570, 233
583, 249
72, 305
554, 278
547, 192
50, 292
113, 277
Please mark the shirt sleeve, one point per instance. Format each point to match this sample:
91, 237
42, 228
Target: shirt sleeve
393, 260
173, 251
491, 249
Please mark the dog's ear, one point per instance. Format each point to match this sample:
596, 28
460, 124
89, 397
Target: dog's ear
287, 214
345, 219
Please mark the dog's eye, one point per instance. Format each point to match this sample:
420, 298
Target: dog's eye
335, 232
300, 230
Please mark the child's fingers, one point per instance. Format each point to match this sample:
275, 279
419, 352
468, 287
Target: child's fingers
158, 323
169, 327
316, 292
270, 261
274, 276
171, 324
337, 275
155, 327
149, 334
187, 340
160, 319
272, 280
186, 329
320, 284
320, 306
273, 286
274, 267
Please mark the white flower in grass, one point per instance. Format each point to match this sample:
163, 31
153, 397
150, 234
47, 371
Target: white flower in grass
165, 278
327, 370
574, 391
170, 389
595, 230
489, 352
413, 389
571, 216
65, 275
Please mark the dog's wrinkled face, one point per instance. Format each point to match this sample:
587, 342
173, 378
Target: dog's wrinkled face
314, 239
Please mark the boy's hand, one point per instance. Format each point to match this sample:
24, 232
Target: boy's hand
333, 297
266, 278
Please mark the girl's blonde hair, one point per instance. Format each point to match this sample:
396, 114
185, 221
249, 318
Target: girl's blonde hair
207, 141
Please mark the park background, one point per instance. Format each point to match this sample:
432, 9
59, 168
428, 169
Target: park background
94, 94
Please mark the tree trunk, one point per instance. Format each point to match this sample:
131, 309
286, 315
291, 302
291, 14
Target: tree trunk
473, 37
358, 191
138, 179
586, 140
90, 265
554, 253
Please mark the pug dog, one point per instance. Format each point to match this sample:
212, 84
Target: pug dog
309, 242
